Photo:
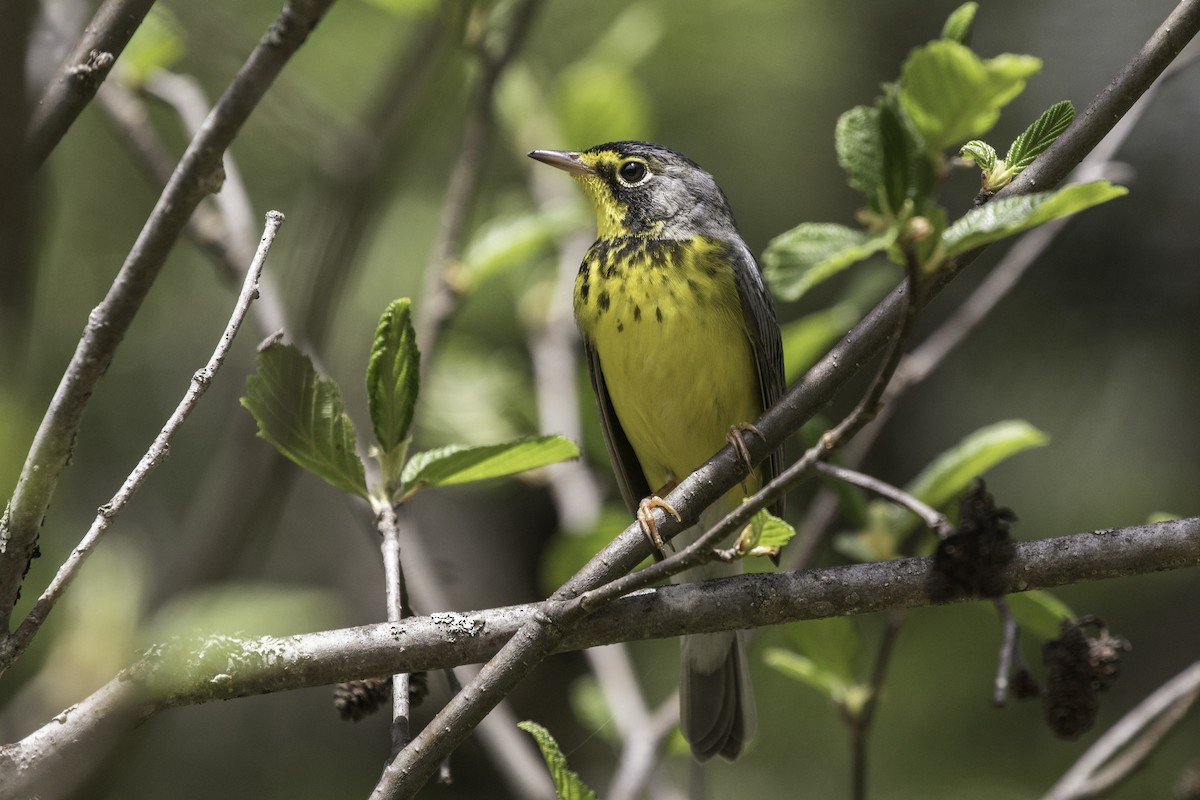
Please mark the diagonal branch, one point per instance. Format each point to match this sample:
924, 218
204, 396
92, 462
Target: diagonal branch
197, 175
81, 74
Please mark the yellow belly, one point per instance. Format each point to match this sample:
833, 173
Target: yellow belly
675, 353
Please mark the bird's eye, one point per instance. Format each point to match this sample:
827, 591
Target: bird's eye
633, 172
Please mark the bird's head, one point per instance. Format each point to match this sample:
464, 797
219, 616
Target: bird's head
643, 189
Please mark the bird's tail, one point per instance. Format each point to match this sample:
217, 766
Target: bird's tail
716, 701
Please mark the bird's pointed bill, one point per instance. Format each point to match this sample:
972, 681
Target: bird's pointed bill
563, 159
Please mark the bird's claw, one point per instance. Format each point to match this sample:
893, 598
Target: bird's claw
738, 442
645, 517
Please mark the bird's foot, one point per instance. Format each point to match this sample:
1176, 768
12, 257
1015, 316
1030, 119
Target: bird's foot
736, 439
645, 517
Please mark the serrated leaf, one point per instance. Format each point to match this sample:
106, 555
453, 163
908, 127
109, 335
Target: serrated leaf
960, 24
1039, 612
1034, 140
303, 416
504, 242
952, 95
813, 252
567, 784
952, 472
393, 375
860, 152
1007, 216
982, 153
764, 536
770, 530
447, 466
158, 43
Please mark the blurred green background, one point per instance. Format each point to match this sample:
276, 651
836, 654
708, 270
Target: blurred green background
1097, 347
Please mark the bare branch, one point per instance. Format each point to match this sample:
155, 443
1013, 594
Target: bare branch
171, 677
934, 520
82, 73
16, 644
393, 578
861, 722
197, 175
1126, 745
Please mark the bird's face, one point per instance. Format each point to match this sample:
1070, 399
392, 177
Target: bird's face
641, 189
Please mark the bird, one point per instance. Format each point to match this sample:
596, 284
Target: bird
684, 352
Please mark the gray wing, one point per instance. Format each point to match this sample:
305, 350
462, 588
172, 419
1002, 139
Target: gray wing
765, 343
630, 478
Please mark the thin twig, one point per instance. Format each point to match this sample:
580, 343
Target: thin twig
82, 73
393, 579
442, 291
862, 720
1009, 651
1127, 744
158, 452
197, 175
934, 520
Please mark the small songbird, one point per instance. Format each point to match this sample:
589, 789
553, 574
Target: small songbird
684, 353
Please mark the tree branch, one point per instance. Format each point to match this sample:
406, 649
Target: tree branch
82, 73
13, 646
197, 175
222, 668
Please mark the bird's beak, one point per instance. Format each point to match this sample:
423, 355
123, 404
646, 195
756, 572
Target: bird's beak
563, 159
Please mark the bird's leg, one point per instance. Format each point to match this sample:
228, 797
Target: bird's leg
645, 517
736, 440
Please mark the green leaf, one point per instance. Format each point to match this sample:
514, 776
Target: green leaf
303, 416
860, 152
504, 242
951, 473
1037, 137
159, 42
765, 535
982, 153
1005, 217
960, 24
1039, 612
908, 173
567, 784
952, 95
393, 375
457, 464
813, 252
